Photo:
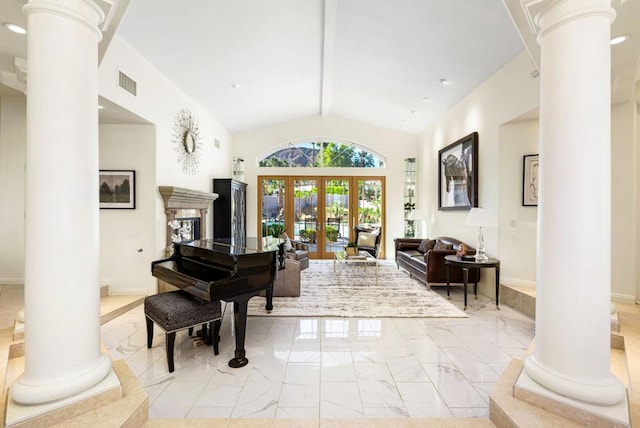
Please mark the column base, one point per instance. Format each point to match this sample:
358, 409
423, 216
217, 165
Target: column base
35, 394
106, 391
607, 393
616, 415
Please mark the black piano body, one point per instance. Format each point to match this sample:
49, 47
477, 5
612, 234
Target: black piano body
219, 270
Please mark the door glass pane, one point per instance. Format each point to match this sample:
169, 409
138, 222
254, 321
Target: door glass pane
273, 207
336, 214
305, 211
369, 203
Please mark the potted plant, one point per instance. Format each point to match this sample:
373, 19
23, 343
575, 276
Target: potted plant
352, 249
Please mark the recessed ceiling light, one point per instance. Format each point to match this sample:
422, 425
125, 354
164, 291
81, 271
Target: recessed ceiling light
619, 39
426, 99
100, 107
15, 28
444, 82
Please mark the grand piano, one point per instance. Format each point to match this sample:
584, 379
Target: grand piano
220, 270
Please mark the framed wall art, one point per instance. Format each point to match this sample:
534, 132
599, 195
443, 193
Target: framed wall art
530, 180
117, 189
458, 174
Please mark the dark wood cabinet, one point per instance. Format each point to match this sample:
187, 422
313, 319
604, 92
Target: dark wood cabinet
230, 210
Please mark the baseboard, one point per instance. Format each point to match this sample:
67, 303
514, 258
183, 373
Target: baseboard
623, 298
128, 291
518, 282
12, 281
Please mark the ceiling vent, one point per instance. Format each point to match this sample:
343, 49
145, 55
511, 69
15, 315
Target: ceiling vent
127, 83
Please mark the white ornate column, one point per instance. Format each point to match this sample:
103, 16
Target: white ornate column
62, 296
573, 291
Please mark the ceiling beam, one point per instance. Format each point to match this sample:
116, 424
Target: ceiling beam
328, 39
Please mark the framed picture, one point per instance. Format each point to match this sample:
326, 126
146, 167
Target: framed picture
530, 180
117, 189
458, 174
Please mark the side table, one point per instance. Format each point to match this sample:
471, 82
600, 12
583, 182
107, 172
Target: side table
465, 265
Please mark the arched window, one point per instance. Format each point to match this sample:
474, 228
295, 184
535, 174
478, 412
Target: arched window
327, 154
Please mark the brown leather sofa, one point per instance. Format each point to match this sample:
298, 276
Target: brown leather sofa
426, 262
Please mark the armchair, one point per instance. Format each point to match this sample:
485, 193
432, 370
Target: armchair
368, 239
299, 252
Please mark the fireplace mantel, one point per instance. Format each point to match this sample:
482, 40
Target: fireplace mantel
181, 198
180, 202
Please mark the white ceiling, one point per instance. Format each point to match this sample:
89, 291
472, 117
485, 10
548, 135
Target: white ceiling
370, 60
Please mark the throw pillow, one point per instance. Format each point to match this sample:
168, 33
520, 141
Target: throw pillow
442, 246
367, 239
287, 241
426, 245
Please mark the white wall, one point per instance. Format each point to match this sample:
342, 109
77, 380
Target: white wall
508, 94
127, 237
493, 110
13, 134
150, 150
519, 223
158, 100
624, 196
394, 145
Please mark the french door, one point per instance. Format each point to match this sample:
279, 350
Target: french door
320, 210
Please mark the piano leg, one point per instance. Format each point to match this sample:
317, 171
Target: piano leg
240, 322
269, 305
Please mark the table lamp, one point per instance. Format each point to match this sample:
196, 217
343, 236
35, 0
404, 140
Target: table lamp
481, 217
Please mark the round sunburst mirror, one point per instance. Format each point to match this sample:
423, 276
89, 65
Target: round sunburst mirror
186, 137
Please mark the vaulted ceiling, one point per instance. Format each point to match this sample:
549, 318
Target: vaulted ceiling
253, 63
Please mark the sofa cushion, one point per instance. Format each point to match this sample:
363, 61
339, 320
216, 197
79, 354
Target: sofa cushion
367, 239
410, 253
287, 241
426, 245
442, 246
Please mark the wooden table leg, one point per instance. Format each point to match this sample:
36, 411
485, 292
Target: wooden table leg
448, 296
465, 277
497, 288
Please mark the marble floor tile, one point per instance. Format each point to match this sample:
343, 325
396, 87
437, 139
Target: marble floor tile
379, 393
299, 395
455, 390
340, 400
302, 374
366, 352
427, 351
215, 396
422, 400
407, 369
319, 368
176, 400
298, 412
208, 412
373, 371
344, 372
386, 412
258, 400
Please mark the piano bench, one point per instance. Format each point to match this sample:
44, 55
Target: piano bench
178, 310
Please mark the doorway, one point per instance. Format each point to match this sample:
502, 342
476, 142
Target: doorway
321, 211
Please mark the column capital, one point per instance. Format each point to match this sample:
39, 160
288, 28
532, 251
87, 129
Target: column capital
85, 12
544, 16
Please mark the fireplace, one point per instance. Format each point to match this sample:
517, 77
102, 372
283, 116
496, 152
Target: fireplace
185, 229
186, 212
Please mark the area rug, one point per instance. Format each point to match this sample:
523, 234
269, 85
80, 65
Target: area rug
357, 294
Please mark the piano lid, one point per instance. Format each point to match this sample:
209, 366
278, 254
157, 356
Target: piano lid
228, 246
